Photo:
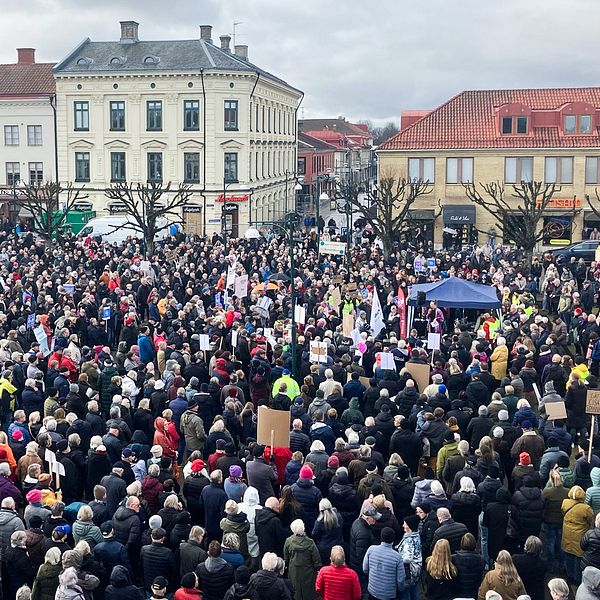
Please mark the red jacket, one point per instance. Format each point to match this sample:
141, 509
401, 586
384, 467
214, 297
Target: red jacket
187, 594
334, 583
282, 458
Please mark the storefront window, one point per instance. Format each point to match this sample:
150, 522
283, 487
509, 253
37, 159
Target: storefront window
591, 227
557, 230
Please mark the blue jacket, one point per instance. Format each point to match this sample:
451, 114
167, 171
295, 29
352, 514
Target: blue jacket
61, 383
146, 349
385, 569
309, 496
324, 433
178, 405
354, 389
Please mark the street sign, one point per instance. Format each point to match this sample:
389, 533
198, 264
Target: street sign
326, 247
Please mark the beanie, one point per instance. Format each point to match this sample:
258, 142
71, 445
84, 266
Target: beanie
524, 458
34, 496
235, 471
413, 522
387, 535
442, 389
197, 465
306, 472
333, 462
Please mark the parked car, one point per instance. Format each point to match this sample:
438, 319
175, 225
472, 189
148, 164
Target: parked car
585, 250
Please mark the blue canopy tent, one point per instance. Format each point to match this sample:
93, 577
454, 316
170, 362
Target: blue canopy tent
456, 293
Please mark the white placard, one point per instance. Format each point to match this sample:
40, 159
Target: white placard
387, 361
58, 468
204, 341
49, 457
318, 352
42, 338
264, 303
234, 339
433, 341
230, 277
537, 392
300, 314
241, 286
356, 337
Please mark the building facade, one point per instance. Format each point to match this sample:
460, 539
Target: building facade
180, 112
27, 126
506, 136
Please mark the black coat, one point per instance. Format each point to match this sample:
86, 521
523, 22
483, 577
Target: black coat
97, 423
120, 587
269, 586
575, 403
126, 527
478, 428
452, 531
213, 499
465, 509
343, 497
155, 560
532, 570
470, 566
528, 507
590, 544
21, 570
308, 496
216, 577
143, 420
361, 537
98, 466
270, 532
408, 445
116, 490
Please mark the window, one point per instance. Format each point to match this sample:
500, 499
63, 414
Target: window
591, 169
459, 170
570, 123
36, 173
11, 135
154, 166
585, 124
191, 115
231, 167
517, 169
558, 230
117, 116
191, 167
263, 119
421, 169
510, 125
153, 115
13, 173
256, 121
231, 115
117, 166
269, 119
82, 166
558, 169
82, 116
34, 135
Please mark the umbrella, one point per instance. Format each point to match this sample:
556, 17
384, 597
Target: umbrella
252, 234
279, 277
263, 287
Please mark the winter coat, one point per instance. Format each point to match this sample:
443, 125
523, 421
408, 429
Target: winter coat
270, 532
46, 582
190, 554
19, 570
120, 587
590, 544
532, 571
326, 539
492, 581
466, 507
9, 523
111, 553
303, 561
592, 495
213, 499
553, 499
87, 531
344, 498
239, 525
528, 509
216, 577
262, 476
361, 537
578, 518
408, 445
575, 404
155, 560
126, 527
499, 363
116, 490
269, 586
452, 531
470, 566
533, 444
334, 583
192, 428
309, 496
590, 585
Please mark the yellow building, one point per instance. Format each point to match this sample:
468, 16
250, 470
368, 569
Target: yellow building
178, 111
507, 136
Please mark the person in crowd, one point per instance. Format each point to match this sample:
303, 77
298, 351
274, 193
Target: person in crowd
441, 576
336, 580
531, 567
503, 579
470, 567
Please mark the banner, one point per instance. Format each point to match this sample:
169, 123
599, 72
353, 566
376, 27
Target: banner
402, 312
376, 323
241, 286
230, 277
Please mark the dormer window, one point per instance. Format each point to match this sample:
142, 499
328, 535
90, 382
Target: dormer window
574, 124
514, 125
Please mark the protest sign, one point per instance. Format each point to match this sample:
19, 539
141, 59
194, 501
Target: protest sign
336, 298
433, 341
592, 402
556, 410
273, 427
234, 338
230, 277
318, 352
241, 286
347, 325
420, 374
300, 314
387, 361
42, 339
204, 341
105, 313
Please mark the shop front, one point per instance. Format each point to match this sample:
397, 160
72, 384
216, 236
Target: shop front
192, 219
591, 226
233, 212
420, 224
459, 226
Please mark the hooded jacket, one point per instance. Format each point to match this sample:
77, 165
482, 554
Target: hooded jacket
216, 577
592, 495
578, 519
120, 587
250, 507
590, 585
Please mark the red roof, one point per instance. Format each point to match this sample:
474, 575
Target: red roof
470, 120
27, 80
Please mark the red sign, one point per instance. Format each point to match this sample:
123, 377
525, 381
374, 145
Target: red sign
402, 312
233, 198
563, 203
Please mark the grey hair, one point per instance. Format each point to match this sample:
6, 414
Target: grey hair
4, 469
297, 527
18, 539
154, 470
232, 540
466, 484
52, 556
269, 561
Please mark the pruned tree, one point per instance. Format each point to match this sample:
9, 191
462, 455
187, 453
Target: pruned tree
387, 209
518, 214
594, 206
150, 206
48, 203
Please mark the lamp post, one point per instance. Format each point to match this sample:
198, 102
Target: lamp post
291, 175
223, 212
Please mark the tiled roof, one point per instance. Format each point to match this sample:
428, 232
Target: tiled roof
309, 142
154, 56
340, 125
469, 120
27, 80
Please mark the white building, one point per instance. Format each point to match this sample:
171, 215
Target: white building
27, 125
178, 111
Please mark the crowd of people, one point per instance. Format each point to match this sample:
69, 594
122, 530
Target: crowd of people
129, 392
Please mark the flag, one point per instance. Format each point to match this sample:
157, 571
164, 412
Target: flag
376, 323
402, 312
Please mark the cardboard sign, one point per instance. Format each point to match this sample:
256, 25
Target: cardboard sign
420, 374
365, 381
556, 410
433, 341
318, 352
241, 286
347, 325
336, 297
273, 426
204, 341
592, 402
300, 314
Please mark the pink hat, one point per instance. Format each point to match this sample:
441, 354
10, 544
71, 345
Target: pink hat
17, 435
306, 472
34, 496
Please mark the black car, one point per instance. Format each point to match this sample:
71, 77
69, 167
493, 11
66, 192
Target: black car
585, 250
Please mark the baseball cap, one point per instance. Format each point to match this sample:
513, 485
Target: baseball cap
159, 583
370, 511
106, 528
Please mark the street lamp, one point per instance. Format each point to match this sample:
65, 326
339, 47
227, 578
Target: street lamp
345, 208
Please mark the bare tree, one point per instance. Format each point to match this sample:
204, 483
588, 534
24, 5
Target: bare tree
387, 209
381, 134
48, 204
150, 206
518, 215
595, 207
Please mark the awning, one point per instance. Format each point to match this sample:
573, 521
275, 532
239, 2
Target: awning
458, 214
421, 215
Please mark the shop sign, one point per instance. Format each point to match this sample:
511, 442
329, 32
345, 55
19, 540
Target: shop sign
192, 209
233, 198
567, 203
459, 214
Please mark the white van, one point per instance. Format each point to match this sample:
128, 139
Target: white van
117, 229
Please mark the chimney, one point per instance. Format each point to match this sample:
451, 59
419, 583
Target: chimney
242, 52
26, 56
206, 33
129, 32
225, 39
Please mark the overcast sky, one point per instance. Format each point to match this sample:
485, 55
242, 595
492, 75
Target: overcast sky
361, 59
